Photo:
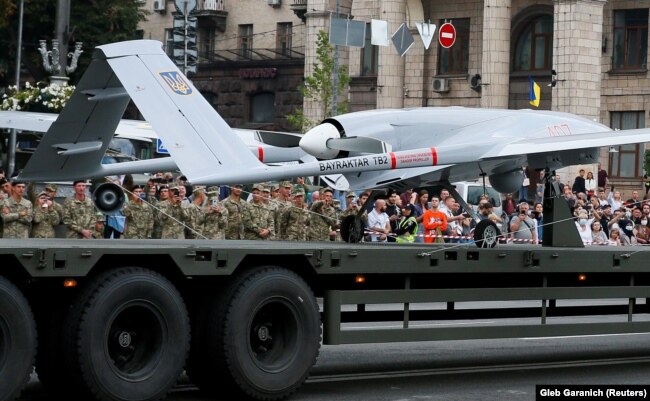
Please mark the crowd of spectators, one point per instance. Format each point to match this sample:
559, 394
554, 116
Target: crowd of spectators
169, 207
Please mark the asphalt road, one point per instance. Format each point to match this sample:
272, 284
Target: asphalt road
459, 370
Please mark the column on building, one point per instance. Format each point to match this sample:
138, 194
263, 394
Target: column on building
577, 52
495, 64
390, 77
577, 58
415, 87
317, 19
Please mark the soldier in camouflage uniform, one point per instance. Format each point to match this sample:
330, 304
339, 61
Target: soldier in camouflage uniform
79, 213
236, 208
282, 203
272, 206
163, 195
294, 222
16, 213
5, 193
173, 215
139, 215
50, 190
45, 217
195, 214
99, 226
258, 220
322, 220
216, 217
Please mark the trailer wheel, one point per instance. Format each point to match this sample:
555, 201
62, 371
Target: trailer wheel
271, 334
133, 336
17, 340
486, 234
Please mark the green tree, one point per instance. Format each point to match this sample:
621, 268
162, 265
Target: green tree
93, 22
319, 86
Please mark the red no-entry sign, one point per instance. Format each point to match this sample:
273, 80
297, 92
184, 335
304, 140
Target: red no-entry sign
447, 35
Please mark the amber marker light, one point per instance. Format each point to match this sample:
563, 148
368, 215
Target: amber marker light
69, 283
360, 279
582, 277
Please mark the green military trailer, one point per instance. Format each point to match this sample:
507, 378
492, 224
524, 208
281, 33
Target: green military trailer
121, 320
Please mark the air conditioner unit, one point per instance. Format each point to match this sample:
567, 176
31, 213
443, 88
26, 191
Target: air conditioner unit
274, 3
160, 5
440, 85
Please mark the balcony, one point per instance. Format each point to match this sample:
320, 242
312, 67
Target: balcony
211, 13
253, 56
299, 8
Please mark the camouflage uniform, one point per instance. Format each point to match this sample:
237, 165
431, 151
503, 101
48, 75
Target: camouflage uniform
322, 220
44, 221
256, 218
15, 225
98, 231
294, 224
78, 215
214, 226
195, 221
236, 210
280, 206
139, 220
170, 216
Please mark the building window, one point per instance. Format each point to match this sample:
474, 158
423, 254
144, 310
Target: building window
245, 40
207, 43
169, 43
627, 162
534, 45
283, 38
369, 56
455, 59
262, 107
630, 39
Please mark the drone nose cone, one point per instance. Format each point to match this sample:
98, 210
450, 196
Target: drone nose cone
315, 140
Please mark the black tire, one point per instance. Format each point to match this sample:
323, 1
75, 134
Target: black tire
352, 229
486, 234
132, 336
269, 336
17, 340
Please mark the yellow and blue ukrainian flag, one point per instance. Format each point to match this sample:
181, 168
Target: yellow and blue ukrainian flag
535, 92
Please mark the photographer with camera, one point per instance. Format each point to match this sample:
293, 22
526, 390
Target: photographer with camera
523, 227
139, 215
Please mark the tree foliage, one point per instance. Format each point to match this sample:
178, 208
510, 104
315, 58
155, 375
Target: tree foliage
319, 86
93, 22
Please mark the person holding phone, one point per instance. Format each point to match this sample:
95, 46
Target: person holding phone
216, 216
45, 217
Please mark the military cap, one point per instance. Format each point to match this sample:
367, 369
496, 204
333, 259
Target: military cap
326, 189
297, 191
266, 188
198, 188
50, 187
350, 194
258, 187
286, 184
100, 217
214, 190
275, 187
42, 193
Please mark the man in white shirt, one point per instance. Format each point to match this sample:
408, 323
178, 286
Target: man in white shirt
379, 222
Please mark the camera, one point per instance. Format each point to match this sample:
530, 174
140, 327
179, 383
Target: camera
215, 202
174, 192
